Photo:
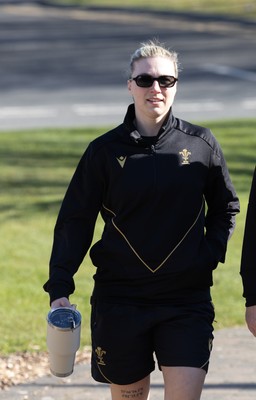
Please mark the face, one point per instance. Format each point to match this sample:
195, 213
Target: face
153, 102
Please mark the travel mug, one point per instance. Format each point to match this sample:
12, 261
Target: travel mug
63, 339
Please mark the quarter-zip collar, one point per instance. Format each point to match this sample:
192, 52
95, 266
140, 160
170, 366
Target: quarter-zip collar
130, 132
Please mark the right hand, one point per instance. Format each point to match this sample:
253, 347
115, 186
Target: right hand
250, 317
62, 302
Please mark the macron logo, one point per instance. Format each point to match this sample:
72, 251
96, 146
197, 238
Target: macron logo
121, 160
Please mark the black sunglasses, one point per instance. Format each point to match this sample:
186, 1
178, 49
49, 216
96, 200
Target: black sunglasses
164, 81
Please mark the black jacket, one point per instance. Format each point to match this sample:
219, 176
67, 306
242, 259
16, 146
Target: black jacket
157, 243
248, 262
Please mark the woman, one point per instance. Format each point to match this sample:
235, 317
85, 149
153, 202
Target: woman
150, 179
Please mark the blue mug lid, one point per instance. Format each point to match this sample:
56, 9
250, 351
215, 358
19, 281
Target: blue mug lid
64, 318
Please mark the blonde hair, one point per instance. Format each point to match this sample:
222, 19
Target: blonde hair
153, 48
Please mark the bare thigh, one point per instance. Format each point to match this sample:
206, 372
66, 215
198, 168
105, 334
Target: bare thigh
183, 383
138, 390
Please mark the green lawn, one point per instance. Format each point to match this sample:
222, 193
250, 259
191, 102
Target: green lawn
240, 8
36, 167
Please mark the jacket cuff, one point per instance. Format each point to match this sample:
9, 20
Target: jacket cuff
250, 301
57, 291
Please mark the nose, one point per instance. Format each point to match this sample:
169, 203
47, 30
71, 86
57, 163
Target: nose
155, 86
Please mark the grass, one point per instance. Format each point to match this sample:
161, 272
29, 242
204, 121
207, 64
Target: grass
35, 170
240, 8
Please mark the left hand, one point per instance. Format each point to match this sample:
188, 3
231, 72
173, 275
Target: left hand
250, 317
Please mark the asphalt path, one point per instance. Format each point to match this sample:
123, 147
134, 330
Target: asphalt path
64, 66
231, 376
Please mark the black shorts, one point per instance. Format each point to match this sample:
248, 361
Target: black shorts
125, 338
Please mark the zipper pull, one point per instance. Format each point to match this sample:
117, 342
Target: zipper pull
152, 148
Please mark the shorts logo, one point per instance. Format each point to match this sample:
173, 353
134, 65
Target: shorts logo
185, 154
100, 354
121, 160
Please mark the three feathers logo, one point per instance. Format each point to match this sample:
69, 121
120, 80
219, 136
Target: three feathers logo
185, 154
100, 354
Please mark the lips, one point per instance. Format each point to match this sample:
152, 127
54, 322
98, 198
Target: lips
155, 100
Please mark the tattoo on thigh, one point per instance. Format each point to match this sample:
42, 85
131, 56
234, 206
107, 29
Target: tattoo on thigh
132, 394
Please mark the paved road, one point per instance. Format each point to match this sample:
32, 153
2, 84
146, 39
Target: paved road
232, 376
67, 66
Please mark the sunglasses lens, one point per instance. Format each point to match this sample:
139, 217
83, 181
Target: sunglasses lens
166, 81
144, 80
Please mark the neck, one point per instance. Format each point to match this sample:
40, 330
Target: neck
148, 128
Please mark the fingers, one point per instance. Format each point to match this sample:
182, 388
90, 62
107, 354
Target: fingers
62, 302
250, 317
252, 328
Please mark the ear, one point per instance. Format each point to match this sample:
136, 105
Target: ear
129, 85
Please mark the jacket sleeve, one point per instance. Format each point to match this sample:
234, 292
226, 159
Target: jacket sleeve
222, 205
74, 228
248, 259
